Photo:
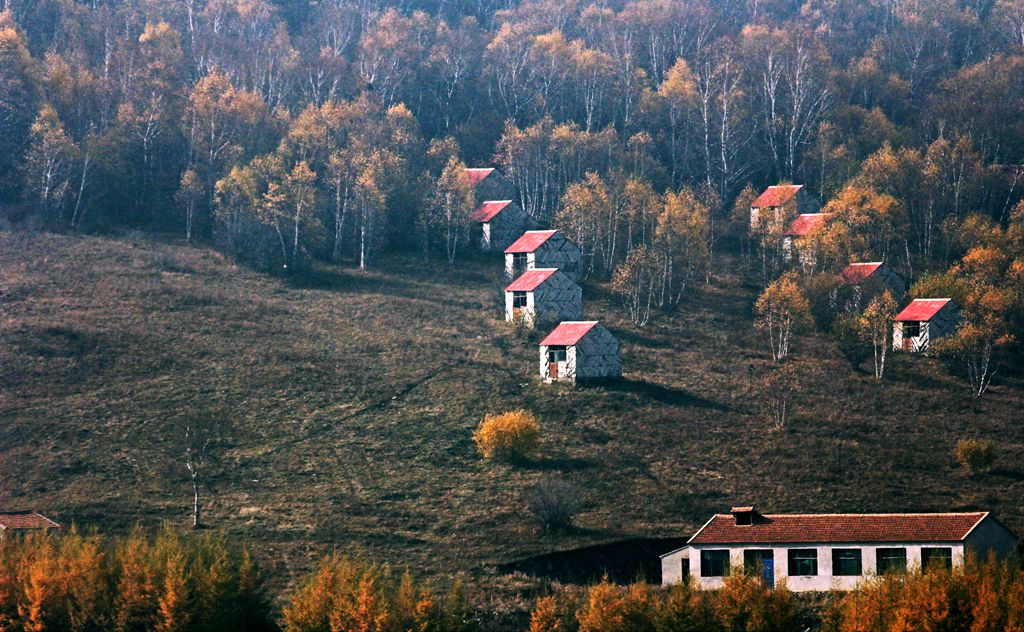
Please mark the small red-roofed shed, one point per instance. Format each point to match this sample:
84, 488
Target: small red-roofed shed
543, 295
498, 223
777, 204
922, 321
542, 249
489, 183
803, 227
580, 351
861, 282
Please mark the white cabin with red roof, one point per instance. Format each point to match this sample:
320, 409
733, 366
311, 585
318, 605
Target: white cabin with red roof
924, 320
580, 351
542, 249
18, 521
489, 184
861, 282
821, 552
777, 204
802, 227
499, 223
544, 295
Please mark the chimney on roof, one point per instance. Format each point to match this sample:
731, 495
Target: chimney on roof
745, 516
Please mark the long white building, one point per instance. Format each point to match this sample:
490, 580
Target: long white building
819, 552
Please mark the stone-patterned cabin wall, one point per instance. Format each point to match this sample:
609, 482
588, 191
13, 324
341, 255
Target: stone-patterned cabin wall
494, 187
598, 356
558, 252
558, 298
506, 227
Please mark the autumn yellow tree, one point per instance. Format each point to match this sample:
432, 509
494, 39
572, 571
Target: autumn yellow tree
781, 311
876, 324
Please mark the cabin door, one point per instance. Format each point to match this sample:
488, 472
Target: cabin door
553, 370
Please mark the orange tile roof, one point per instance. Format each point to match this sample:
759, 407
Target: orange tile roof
488, 210
568, 333
807, 223
25, 520
776, 195
477, 175
531, 280
856, 273
530, 241
835, 528
922, 309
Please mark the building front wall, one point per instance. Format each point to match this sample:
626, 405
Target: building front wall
824, 580
566, 368
916, 344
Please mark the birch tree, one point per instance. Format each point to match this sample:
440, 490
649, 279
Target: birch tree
876, 324
781, 311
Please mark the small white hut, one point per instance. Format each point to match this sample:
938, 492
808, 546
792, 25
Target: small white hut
804, 226
499, 223
580, 351
778, 203
542, 249
489, 184
542, 296
924, 320
861, 282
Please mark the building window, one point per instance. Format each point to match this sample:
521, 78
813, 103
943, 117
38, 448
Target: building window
891, 561
940, 557
518, 300
846, 562
684, 568
519, 260
754, 559
803, 562
911, 329
556, 354
714, 563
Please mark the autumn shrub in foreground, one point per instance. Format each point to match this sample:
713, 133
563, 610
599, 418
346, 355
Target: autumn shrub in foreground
743, 604
71, 581
986, 597
976, 455
346, 594
509, 436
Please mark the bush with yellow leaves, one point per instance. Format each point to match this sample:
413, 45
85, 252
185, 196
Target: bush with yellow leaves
509, 436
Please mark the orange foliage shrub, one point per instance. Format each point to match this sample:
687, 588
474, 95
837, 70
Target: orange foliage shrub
72, 581
511, 435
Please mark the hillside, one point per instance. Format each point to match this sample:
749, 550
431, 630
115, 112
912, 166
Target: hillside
346, 407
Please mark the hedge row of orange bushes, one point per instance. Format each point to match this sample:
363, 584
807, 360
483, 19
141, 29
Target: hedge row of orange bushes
168, 583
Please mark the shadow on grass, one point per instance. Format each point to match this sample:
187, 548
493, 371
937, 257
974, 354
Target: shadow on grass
623, 562
662, 394
555, 464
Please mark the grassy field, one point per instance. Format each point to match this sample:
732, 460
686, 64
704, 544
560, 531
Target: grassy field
346, 404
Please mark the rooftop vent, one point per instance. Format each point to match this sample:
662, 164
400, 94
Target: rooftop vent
745, 516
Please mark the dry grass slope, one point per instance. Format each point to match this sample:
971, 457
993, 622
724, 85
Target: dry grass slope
347, 408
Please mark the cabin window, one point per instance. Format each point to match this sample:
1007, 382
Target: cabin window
684, 568
556, 354
891, 561
714, 563
803, 562
519, 261
518, 300
911, 329
938, 557
846, 562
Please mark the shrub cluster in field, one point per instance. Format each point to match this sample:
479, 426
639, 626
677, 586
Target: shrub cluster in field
977, 597
976, 455
88, 582
508, 436
744, 604
346, 594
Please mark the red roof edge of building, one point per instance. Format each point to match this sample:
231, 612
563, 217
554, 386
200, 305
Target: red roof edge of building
922, 309
530, 241
776, 195
568, 333
486, 211
531, 280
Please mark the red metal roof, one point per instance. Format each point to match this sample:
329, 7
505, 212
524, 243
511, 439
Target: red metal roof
531, 280
814, 528
476, 176
776, 195
856, 273
807, 223
25, 520
568, 333
530, 241
921, 309
488, 210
